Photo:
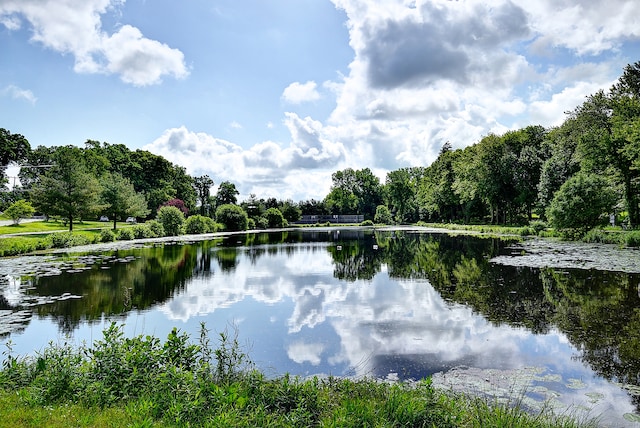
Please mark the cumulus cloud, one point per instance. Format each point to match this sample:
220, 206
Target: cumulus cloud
297, 93
75, 27
297, 170
428, 72
18, 93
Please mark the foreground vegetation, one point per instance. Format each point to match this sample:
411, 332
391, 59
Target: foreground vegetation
144, 382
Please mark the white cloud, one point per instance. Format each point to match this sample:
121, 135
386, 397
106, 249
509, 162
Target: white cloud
297, 93
299, 170
19, 94
301, 352
75, 27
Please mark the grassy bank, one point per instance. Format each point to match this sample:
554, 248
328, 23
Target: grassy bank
145, 382
605, 235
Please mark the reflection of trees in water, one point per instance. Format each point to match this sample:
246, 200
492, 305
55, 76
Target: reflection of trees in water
600, 313
117, 284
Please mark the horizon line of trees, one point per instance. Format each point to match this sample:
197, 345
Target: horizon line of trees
574, 176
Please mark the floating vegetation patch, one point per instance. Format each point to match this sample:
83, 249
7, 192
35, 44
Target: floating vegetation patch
547, 253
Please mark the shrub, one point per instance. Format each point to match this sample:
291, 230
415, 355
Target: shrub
125, 234
172, 220
367, 223
262, 223
274, 217
233, 217
107, 235
538, 226
383, 215
251, 224
580, 203
19, 210
156, 229
141, 231
632, 239
199, 224
68, 239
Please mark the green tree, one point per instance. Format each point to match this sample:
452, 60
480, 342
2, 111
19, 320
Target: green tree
67, 189
274, 217
172, 220
20, 210
120, 198
290, 211
383, 215
610, 142
354, 191
232, 216
581, 203
38, 161
203, 186
435, 196
227, 194
561, 165
13, 148
401, 191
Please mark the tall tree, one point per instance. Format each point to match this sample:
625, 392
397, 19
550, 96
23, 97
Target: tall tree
227, 194
13, 148
203, 186
67, 189
120, 198
401, 190
610, 142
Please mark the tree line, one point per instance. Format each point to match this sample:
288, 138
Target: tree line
574, 176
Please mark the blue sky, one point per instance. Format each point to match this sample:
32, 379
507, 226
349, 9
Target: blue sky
276, 95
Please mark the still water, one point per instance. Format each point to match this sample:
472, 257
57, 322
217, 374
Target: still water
541, 323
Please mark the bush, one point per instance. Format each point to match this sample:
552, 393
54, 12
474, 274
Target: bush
383, 215
274, 217
172, 220
107, 235
538, 226
367, 223
580, 203
141, 231
262, 223
68, 239
125, 234
19, 210
199, 224
156, 229
251, 224
632, 239
233, 217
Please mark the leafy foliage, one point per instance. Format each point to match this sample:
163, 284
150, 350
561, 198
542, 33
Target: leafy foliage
120, 198
383, 215
20, 210
274, 218
172, 220
200, 224
233, 217
581, 203
67, 189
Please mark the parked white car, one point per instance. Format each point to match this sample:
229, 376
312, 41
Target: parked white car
131, 220
104, 218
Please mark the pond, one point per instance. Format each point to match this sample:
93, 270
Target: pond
538, 322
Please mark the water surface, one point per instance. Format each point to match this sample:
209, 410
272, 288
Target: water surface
485, 315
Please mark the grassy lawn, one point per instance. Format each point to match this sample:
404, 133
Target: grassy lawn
56, 226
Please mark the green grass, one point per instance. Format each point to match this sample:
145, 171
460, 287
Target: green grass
144, 382
53, 226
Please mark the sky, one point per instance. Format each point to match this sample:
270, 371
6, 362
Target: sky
276, 95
